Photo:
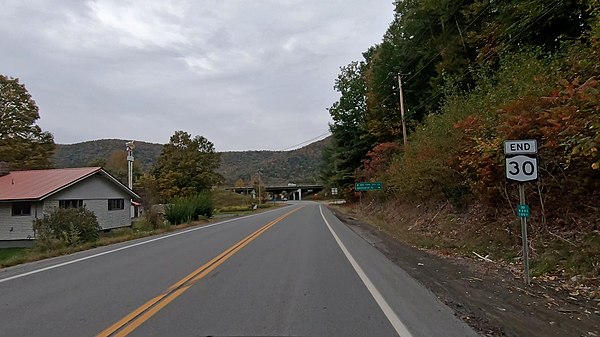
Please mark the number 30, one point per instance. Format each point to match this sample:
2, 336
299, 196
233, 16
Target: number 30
527, 168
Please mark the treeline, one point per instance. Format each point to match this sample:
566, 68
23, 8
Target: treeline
474, 73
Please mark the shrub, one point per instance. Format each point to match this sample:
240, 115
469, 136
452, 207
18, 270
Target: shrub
69, 226
182, 210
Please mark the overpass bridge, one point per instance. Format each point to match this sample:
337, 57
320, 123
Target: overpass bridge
289, 191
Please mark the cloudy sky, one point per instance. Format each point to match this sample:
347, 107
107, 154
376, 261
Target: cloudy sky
247, 75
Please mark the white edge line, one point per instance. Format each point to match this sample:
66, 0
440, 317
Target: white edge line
127, 247
385, 307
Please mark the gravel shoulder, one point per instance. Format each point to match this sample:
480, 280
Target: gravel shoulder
487, 295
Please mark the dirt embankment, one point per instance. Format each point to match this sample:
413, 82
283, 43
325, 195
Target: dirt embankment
488, 295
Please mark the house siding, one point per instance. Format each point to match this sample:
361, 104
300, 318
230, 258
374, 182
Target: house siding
95, 192
18, 227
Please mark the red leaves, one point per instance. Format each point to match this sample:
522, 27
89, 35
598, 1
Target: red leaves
379, 158
566, 124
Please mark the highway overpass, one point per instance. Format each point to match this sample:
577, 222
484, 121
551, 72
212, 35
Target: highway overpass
290, 191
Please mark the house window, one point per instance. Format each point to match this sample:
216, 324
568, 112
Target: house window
116, 204
70, 203
21, 208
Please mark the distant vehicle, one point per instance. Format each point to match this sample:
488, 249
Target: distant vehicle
284, 199
291, 184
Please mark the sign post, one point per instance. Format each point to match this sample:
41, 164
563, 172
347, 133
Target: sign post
524, 235
367, 186
521, 167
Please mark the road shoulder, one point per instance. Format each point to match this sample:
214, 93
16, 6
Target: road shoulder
486, 295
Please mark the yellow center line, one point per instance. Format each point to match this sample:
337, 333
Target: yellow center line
137, 317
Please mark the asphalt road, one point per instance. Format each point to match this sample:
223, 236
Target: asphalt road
294, 271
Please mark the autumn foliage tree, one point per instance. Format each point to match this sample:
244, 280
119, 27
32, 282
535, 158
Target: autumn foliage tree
378, 160
23, 144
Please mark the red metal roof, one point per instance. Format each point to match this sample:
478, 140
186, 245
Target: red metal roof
38, 184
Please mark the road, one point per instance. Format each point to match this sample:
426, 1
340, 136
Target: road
293, 271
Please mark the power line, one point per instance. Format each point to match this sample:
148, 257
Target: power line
437, 92
323, 135
440, 53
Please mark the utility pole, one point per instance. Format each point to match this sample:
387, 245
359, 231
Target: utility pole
402, 110
130, 148
259, 187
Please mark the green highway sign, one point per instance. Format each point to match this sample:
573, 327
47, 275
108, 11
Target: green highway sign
368, 186
523, 211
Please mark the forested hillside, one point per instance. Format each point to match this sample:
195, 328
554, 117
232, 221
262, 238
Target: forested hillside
474, 74
99, 152
276, 167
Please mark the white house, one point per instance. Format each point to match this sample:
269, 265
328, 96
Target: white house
28, 195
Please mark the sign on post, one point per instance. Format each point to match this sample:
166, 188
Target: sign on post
521, 166
368, 186
334, 191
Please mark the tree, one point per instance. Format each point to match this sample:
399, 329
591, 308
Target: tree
186, 166
22, 143
351, 142
240, 183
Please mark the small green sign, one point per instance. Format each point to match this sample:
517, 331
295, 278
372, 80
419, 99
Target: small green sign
368, 186
523, 211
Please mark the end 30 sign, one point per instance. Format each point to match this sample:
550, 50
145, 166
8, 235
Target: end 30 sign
521, 160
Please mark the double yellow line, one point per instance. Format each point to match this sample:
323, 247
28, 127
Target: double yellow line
137, 317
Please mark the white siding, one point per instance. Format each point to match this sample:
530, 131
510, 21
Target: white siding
95, 192
17, 227
109, 219
94, 187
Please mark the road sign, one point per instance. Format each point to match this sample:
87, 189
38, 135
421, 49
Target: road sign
521, 160
525, 146
334, 191
521, 168
523, 211
368, 186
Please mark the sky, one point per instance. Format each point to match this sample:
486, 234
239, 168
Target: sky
247, 75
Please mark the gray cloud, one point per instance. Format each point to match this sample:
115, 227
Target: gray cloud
248, 75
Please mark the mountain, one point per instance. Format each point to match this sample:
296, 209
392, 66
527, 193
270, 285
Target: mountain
276, 167
86, 153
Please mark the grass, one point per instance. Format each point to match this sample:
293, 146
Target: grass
575, 257
235, 209
8, 254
